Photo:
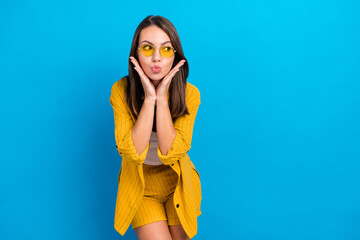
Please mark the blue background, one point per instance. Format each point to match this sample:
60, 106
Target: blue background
276, 138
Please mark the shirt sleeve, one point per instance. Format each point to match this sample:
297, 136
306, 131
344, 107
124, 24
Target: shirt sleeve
123, 126
184, 129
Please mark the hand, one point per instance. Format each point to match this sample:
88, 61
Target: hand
163, 87
148, 86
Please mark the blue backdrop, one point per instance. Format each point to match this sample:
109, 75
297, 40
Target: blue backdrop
276, 139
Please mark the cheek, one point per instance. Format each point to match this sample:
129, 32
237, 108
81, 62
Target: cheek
168, 65
143, 62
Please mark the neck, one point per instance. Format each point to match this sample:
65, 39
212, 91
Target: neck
156, 83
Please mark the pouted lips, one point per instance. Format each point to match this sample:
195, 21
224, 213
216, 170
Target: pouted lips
156, 69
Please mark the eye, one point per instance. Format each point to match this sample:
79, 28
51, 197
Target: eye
167, 49
147, 47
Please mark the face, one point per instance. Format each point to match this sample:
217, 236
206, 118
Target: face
155, 66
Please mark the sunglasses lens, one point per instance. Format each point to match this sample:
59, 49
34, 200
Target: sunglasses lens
167, 51
147, 50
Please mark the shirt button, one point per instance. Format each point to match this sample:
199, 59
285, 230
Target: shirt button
177, 205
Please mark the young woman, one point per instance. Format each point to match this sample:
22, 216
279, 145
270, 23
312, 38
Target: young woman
159, 190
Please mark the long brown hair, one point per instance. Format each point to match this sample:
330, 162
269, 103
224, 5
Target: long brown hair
177, 89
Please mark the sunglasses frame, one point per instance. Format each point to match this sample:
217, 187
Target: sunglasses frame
156, 49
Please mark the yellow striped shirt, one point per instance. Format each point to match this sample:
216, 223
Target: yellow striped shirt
131, 186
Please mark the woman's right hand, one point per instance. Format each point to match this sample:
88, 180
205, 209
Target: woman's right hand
149, 88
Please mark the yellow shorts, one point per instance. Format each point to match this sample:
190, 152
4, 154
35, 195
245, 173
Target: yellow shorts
157, 203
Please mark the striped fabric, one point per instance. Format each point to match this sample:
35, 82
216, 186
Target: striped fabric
131, 184
157, 203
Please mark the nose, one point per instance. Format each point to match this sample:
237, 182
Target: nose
156, 56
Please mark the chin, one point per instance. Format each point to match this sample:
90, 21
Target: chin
156, 77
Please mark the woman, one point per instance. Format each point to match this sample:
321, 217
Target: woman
159, 190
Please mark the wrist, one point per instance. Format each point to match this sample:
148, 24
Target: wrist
162, 103
149, 101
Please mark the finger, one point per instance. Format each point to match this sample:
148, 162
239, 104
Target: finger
178, 65
138, 71
141, 73
137, 66
173, 74
135, 62
169, 77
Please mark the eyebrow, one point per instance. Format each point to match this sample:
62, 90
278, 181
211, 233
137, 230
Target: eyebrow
153, 44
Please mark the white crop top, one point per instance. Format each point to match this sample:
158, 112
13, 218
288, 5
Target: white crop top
152, 158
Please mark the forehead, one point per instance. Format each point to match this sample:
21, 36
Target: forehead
154, 35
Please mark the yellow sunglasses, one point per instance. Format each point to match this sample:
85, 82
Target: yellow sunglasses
165, 51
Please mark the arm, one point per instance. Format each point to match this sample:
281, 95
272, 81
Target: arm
127, 133
183, 126
141, 131
166, 131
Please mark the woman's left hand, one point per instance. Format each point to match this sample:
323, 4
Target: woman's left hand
163, 87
